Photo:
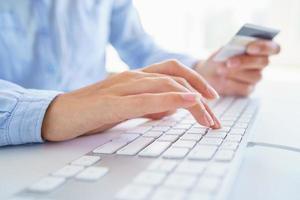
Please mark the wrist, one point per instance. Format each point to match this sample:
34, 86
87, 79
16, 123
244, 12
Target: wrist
51, 123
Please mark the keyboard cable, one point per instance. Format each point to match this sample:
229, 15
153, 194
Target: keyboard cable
276, 146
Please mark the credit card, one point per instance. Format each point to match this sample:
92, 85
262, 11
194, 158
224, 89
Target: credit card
238, 44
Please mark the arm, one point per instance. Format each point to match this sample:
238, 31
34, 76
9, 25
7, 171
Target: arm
133, 44
21, 113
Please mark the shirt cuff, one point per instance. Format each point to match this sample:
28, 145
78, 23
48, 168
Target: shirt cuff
27, 117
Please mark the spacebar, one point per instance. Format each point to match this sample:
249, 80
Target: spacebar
134, 147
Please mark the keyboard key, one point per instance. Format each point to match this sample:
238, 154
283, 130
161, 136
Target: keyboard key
199, 126
175, 153
196, 131
202, 152
182, 126
217, 170
47, 184
167, 123
139, 130
168, 138
193, 137
175, 132
191, 167
211, 141
128, 137
224, 155
135, 146
163, 165
155, 149
241, 125
245, 119
161, 128
153, 134
200, 196
229, 145
229, 118
233, 138
182, 181
150, 178
188, 121
227, 123
92, 173
184, 144
221, 135
134, 192
237, 131
223, 129
86, 160
208, 184
68, 171
116, 144
168, 193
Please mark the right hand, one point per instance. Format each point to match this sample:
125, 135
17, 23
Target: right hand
159, 88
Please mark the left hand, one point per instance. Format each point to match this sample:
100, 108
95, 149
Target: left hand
239, 75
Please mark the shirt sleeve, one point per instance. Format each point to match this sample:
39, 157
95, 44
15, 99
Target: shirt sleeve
133, 44
21, 113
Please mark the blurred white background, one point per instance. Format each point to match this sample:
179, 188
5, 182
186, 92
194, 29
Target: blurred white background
200, 27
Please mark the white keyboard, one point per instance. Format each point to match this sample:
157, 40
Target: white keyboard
190, 161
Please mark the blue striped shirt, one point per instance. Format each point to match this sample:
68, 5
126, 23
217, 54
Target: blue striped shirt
53, 46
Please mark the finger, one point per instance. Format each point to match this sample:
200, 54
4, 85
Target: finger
246, 76
163, 102
175, 68
184, 83
247, 62
216, 120
232, 87
263, 48
162, 85
155, 103
201, 115
147, 85
157, 116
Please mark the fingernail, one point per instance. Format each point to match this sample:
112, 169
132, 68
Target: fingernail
190, 97
254, 50
232, 63
213, 92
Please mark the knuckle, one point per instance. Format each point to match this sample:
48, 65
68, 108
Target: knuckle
173, 62
145, 80
174, 99
182, 81
127, 74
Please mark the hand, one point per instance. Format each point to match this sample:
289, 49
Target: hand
239, 74
154, 90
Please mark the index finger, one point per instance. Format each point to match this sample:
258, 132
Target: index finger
175, 68
263, 48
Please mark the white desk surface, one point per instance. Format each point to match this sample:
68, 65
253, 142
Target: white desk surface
265, 174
